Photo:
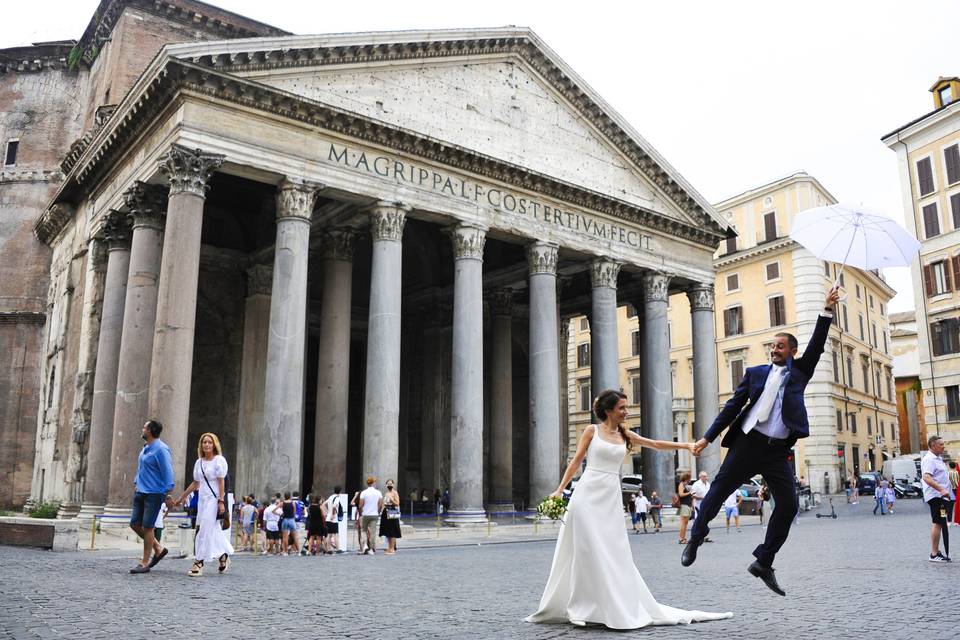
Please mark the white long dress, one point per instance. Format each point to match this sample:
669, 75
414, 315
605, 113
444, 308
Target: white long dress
211, 542
593, 578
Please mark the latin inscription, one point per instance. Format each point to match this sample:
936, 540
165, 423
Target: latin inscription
500, 199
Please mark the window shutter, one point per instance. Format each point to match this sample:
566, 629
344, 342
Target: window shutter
928, 279
935, 339
772, 303
770, 225
946, 275
925, 176
732, 244
931, 221
726, 321
952, 158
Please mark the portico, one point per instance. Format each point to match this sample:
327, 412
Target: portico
368, 286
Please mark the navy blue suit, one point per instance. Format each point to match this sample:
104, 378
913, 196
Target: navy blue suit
753, 453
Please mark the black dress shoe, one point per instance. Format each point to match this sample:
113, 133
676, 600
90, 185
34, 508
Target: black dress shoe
690, 553
766, 574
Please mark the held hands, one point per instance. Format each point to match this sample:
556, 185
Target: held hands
833, 296
698, 446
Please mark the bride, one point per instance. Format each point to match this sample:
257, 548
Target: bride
593, 579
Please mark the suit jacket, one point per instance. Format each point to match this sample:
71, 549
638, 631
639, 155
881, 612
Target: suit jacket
794, 411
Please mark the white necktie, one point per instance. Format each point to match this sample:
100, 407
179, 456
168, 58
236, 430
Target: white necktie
767, 398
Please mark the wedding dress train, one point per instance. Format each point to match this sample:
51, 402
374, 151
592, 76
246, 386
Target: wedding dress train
593, 578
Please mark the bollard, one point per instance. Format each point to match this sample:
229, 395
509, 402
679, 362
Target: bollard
536, 526
488, 525
438, 526
93, 533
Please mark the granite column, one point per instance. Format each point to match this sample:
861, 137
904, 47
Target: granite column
657, 397
705, 377
501, 401
333, 370
544, 371
171, 372
466, 425
605, 356
381, 420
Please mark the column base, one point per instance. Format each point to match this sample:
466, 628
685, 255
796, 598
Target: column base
501, 506
110, 514
466, 518
68, 510
87, 511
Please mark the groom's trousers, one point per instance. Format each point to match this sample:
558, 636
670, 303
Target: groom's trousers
751, 454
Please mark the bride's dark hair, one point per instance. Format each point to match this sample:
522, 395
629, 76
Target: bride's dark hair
606, 401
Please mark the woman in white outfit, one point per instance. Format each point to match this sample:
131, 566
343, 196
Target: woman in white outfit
209, 472
593, 579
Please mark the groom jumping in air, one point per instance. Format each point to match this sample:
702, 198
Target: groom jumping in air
766, 416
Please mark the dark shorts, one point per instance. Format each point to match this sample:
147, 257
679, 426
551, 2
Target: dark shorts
939, 510
146, 507
158, 533
273, 535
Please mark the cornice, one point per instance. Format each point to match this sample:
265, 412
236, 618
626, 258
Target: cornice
753, 252
172, 77
29, 175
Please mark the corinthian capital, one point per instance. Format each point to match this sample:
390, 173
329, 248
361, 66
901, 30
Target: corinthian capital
656, 287
295, 199
387, 220
116, 230
542, 257
501, 302
701, 297
146, 204
468, 241
188, 170
338, 244
603, 273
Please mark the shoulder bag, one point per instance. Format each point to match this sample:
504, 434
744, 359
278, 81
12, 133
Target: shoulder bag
222, 516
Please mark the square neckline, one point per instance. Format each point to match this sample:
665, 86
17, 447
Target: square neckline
616, 444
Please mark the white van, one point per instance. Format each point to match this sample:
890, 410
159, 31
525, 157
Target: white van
902, 468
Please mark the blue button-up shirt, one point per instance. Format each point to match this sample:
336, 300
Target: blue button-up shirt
154, 469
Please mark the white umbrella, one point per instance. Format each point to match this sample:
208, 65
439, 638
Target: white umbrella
851, 234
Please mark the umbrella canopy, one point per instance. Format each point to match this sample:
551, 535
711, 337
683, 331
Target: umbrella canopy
855, 236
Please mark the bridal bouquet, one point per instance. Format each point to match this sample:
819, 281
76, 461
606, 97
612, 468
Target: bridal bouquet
552, 508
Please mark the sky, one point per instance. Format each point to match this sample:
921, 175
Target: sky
733, 94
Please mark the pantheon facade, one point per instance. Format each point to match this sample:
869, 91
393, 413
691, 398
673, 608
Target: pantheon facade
358, 254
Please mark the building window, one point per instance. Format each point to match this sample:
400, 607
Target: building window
946, 95
858, 291
585, 394
936, 278
860, 319
889, 388
951, 158
836, 366
869, 426
631, 311
10, 157
853, 423
870, 297
733, 282
849, 371
955, 209
733, 321
877, 389
885, 345
945, 336
635, 388
731, 244
736, 372
583, 355
953, 402
584, 324
778, 311
770, 226
931, 221
925, 176
635, 343
839, 421
866, 377
773, 271
826, 268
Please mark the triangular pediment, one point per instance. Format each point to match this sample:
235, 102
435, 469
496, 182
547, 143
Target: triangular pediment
499, 92
498, 108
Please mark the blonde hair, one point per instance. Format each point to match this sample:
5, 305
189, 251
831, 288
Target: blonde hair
217, 450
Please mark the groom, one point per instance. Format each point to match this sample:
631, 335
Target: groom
766, 416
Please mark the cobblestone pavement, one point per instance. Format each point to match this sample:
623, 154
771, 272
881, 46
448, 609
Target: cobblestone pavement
859, 576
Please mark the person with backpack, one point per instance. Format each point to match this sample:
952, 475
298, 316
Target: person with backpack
335, 515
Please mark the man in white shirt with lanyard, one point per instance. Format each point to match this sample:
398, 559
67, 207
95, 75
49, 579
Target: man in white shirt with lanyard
938, 494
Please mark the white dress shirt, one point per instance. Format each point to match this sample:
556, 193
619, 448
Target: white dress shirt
773, 426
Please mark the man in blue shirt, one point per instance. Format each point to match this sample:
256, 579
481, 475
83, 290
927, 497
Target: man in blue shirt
153, 483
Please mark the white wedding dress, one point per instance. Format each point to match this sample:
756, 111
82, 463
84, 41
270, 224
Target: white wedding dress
593, 579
